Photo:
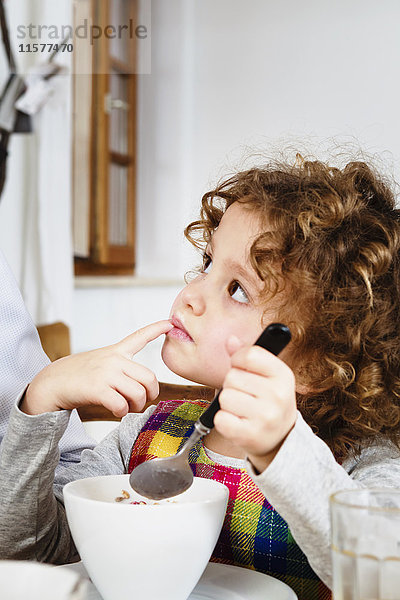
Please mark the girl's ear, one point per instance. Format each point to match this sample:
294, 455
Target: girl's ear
233, 344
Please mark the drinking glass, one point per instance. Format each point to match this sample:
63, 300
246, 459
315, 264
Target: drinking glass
366, 544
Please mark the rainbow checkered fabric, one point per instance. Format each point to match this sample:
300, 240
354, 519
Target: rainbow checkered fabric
254, 535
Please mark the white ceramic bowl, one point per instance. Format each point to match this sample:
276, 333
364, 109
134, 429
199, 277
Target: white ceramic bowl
153, 551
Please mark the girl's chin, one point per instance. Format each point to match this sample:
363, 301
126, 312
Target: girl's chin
183, 370
179, 370
172, 362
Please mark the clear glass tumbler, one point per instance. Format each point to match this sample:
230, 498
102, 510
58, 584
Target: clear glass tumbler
366, 544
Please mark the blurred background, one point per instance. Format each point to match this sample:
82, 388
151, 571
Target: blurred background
128, 132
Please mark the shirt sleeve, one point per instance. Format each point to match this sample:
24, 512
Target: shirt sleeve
302, 477
21, 359
33, 524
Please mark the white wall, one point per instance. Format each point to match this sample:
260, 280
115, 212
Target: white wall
227, 75
265, 70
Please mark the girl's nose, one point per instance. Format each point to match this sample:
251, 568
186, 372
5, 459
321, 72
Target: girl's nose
194, 297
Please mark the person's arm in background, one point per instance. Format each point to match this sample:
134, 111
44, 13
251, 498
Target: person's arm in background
21, 359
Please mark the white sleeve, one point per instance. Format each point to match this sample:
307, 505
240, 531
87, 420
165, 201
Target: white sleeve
21, 358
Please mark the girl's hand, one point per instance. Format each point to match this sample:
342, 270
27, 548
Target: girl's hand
258, 402
106, 376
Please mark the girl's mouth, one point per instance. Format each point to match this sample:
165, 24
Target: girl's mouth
179, 332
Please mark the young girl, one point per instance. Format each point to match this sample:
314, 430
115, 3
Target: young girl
313, 247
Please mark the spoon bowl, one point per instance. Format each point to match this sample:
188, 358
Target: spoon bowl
162, 478
167, 477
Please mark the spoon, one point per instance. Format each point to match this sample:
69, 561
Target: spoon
161, 478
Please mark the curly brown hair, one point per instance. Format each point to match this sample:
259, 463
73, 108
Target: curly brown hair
331, 243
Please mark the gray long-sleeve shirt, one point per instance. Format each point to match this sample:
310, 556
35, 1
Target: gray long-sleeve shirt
297, 483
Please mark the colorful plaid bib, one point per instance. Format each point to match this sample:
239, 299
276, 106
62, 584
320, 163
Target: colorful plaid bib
253, 535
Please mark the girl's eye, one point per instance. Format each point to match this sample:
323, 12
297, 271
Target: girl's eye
207, 262
237, 293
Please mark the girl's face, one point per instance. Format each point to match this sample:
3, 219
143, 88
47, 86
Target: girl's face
222, 300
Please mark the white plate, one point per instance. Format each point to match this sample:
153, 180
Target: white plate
220, 582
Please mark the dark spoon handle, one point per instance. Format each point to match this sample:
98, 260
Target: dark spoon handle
274, 338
